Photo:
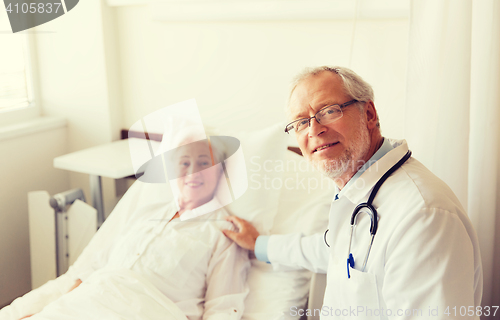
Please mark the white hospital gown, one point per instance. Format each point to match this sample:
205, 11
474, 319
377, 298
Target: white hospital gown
191, 262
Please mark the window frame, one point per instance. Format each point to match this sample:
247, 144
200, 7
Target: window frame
33, 110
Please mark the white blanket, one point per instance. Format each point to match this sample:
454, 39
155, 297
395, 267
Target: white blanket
113, 294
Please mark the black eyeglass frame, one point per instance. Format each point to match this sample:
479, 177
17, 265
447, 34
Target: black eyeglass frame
341, 106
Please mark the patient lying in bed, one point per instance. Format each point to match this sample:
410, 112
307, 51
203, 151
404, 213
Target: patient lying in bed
158, 262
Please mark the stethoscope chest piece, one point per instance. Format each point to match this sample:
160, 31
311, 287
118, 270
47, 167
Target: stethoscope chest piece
372, 212
350, 263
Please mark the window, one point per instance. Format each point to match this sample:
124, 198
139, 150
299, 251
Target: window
16, 83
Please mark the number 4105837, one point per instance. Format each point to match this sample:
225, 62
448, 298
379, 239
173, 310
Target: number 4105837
471, 311
34, 7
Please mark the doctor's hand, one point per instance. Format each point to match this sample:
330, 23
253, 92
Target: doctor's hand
246, 236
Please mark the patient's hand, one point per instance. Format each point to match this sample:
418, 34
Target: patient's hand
77, 283
246, 236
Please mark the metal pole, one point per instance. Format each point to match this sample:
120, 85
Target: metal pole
96, 192
62, 256
58, 247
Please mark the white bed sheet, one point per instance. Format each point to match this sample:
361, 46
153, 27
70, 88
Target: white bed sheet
112, 294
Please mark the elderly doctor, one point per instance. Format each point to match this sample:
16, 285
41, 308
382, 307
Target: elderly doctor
424, 258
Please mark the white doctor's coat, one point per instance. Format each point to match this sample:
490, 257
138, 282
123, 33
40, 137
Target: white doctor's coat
425, 257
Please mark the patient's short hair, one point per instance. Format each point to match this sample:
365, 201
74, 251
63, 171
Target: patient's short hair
219, 149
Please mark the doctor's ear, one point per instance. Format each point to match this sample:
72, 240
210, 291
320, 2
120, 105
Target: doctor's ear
371, 115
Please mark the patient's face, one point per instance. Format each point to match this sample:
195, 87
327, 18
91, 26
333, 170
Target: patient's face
198, 179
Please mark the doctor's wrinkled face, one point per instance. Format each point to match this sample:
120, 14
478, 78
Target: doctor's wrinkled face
198, 178
336, 147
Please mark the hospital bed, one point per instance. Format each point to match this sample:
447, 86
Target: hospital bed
285, 195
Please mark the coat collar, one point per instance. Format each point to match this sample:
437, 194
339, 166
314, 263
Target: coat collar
358, 190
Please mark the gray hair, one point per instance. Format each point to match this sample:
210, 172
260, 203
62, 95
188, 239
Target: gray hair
354, 86
219, 150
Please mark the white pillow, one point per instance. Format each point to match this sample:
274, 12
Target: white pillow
262, 149
304, 206
305, 199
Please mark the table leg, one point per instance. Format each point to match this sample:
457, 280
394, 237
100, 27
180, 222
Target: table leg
96, 193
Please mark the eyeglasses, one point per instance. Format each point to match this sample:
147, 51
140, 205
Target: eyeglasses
324, 116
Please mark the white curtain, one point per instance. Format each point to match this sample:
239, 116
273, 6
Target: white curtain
453, 111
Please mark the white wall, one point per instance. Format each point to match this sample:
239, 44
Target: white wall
25, 165
77, 76
79, 80
239, 72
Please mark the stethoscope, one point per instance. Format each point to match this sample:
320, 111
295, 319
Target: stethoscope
372, 212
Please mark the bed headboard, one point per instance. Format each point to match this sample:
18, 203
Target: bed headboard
125, 134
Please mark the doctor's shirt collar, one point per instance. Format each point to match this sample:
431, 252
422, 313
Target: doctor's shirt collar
382, 151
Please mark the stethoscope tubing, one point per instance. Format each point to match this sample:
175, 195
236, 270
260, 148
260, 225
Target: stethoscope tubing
371, 211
